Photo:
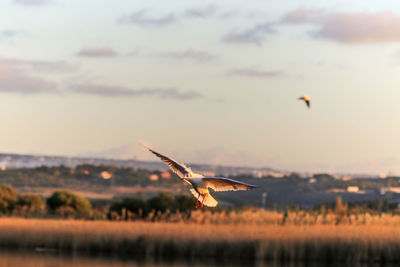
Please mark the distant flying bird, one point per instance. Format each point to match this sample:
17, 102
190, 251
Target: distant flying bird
306, 99
200, 184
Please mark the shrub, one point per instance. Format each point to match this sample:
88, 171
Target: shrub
185, 202
8, 198
68, 204
31, 204
162, 202
131, 204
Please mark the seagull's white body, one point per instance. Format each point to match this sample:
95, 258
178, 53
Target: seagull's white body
306, 99
200, 184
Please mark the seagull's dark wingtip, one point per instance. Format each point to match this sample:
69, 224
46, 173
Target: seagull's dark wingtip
252, 186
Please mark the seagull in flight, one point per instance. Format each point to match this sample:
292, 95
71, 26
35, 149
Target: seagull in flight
200, 184
306, 99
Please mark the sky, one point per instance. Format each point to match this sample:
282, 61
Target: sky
212, 82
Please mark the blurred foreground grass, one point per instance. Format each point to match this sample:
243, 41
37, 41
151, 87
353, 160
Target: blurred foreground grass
373, 242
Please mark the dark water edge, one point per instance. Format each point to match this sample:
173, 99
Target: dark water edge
53, 258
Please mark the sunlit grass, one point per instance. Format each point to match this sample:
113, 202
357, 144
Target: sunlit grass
240, 241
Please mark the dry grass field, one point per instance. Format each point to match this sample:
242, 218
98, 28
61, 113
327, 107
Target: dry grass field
251, 236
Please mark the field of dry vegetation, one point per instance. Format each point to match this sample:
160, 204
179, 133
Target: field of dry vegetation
249, 236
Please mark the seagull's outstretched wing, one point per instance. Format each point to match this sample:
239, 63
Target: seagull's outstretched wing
225, 184
179, 168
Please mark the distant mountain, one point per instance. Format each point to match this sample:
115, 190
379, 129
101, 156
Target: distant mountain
127, 152
31, 161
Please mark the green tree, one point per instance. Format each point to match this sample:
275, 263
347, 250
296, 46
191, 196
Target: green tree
162, 202
8, 198
131, 204
30, 204
185, 202
67, 204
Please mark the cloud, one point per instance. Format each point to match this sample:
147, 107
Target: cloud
10, 33
13, 80
253, 72
118, 91
141, 18
31, 2
254, 35
201, 12
97, 52
41, 66
16, 77
348, 28
230, 14
194, 55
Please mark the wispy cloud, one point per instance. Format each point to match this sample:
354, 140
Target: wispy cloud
253, 72
41, 66
97, 53
26, 84
229, 14
146, 18
190, 54
31, 2
10, 33
255, 35
13, 80
118, 91
201, 12
349, 28
17, 76
142, 18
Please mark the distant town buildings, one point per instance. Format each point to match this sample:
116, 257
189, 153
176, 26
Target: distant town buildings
265, 173
153, 177
166, 175
106, 175
382, 175
10, 161
312, 180
353, 189
384, 190
349, 189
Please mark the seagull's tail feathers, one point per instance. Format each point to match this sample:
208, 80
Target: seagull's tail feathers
208, 200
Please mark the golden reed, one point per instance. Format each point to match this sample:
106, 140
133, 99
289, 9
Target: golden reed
375, 241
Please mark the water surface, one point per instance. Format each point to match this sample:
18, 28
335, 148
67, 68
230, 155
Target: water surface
56, 259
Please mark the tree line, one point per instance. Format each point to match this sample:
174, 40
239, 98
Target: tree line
67, 204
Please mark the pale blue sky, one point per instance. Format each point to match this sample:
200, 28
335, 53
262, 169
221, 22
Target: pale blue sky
205, 82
